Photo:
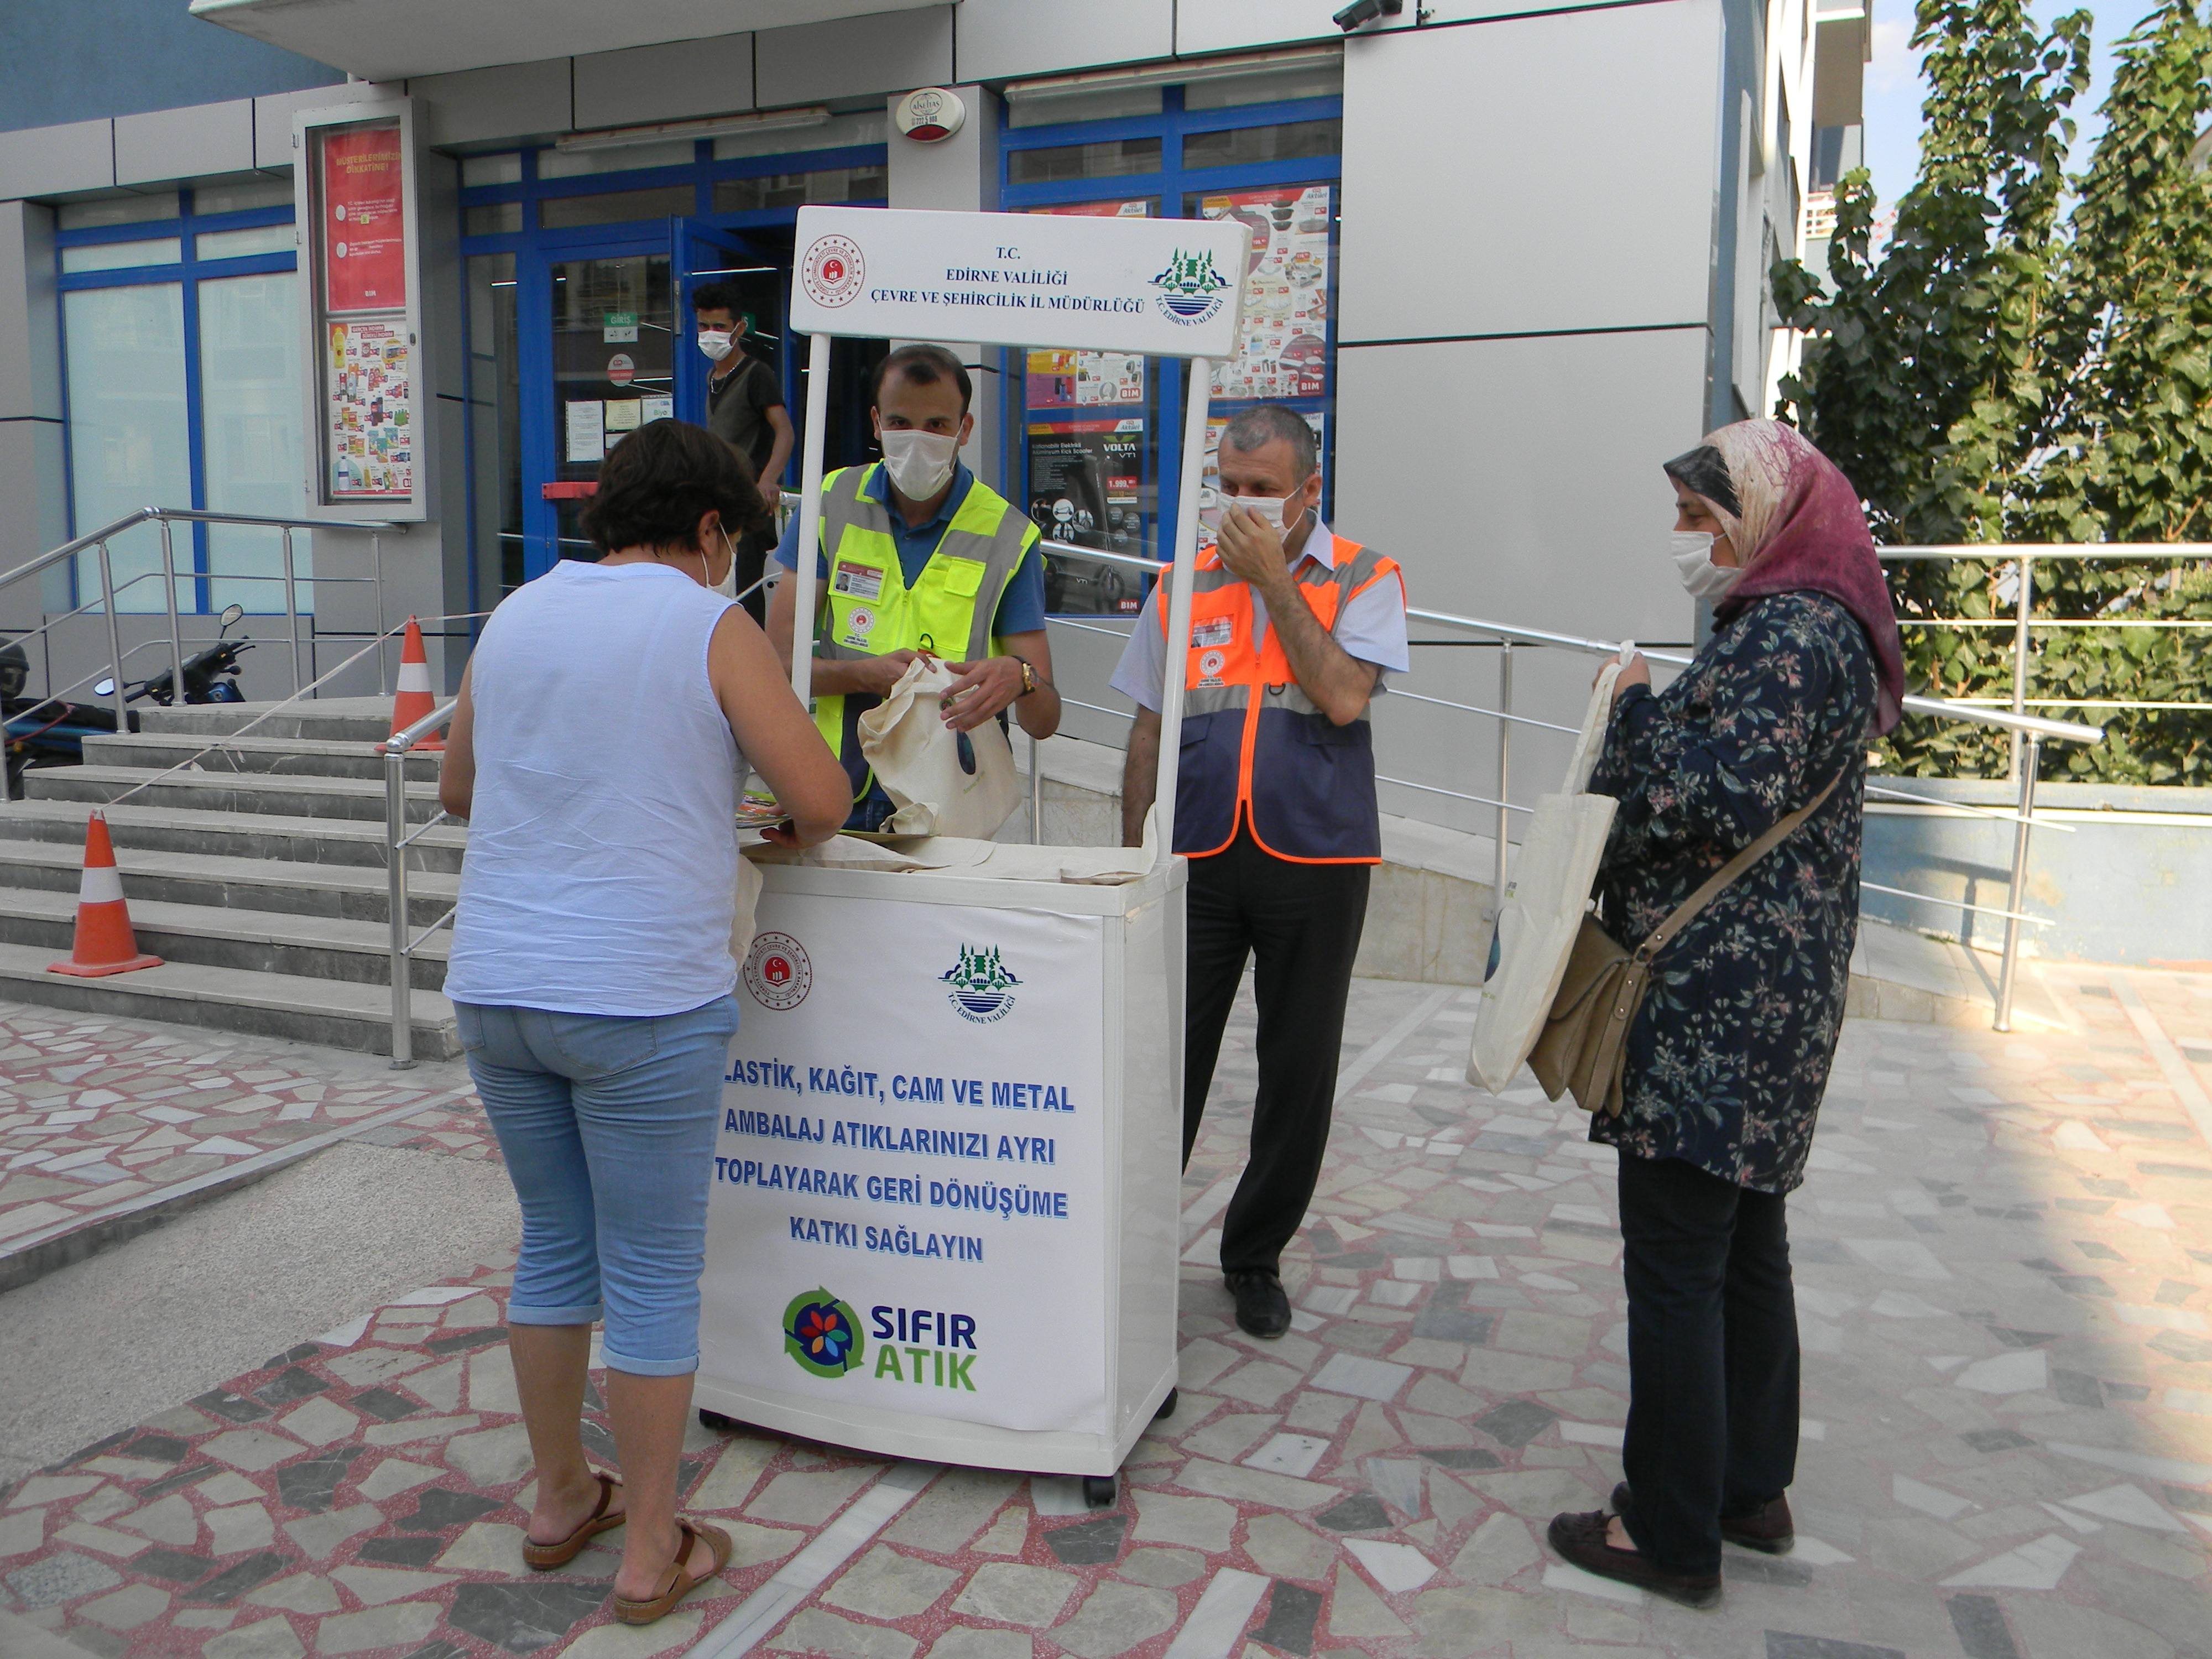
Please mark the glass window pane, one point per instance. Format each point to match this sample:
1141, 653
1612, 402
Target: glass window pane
569, 164
493, 219
1242, 146
563, 212
1114, 159
781, 190
1273, 87
247, 193
122, 256
838, 132
128, 444
239, 244
1110, 104
116, 210
492, 169
250, 404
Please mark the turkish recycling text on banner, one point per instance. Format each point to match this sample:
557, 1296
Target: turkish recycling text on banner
905, 1211
1169, 286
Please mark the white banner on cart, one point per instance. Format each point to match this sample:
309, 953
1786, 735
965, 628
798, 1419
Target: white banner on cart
1169, 286
906, 1200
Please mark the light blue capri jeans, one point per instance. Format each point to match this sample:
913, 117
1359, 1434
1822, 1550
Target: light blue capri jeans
607, 1124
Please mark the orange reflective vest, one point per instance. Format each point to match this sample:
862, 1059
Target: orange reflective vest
1256, 748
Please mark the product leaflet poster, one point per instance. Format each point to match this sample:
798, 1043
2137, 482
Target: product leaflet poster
1282, 342
371, 433
363, 230
1061, 379
1086, 488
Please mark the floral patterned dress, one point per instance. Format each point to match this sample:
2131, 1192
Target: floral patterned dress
1730, 1054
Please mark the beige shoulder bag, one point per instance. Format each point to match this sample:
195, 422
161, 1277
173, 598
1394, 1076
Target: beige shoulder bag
1585, 1043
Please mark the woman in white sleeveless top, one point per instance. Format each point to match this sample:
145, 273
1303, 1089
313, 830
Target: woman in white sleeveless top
601, 740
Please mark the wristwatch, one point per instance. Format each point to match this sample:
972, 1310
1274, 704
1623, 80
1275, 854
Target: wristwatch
1029, 678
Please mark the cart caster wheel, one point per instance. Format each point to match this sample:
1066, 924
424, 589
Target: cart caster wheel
719, 1423
1167, 1407
1100, 1490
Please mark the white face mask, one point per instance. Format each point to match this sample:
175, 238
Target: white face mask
1268, 508
716, 342
920, 462
1694, 562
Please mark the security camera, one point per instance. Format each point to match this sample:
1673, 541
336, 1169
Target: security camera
1361, 12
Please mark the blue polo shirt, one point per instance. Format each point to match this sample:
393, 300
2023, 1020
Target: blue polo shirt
1021, 607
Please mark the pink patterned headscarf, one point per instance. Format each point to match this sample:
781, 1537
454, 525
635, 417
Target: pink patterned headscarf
1799, 527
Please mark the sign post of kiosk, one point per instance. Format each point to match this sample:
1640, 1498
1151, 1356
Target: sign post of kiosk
944, 1214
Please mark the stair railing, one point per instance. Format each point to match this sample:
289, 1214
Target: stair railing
397, 838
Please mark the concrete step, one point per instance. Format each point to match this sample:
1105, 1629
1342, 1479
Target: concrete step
342, 842
334, 1014
307, 757
256, 941
345, 892
356, 799
350, 720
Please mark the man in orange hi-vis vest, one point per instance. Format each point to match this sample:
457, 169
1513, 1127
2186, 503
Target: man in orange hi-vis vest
1291, 627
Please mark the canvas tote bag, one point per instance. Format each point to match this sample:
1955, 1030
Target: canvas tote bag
917, 759
1544, 904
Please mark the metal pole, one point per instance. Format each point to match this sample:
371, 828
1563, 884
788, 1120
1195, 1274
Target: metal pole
1198, 402
114, 641
376, 558
1504, 763
395, 833
1037, 795
176, 644
2016, 896
292, 611
810, 519
2020, 652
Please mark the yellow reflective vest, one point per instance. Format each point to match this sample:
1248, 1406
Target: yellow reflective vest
871, 611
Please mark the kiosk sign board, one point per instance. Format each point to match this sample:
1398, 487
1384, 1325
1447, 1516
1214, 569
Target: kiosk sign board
356, 187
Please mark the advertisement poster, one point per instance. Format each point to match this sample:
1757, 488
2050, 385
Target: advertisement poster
1087, 487
1282, 348
1058, 379
371, 438
364, 233
905, 1211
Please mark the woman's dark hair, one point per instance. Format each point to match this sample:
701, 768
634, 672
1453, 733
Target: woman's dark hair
658, 482
1702, 472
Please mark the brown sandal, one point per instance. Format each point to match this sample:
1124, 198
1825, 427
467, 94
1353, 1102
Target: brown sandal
678, 1584
545, 1557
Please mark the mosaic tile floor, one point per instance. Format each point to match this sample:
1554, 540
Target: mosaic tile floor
98, 1114
2003, 1260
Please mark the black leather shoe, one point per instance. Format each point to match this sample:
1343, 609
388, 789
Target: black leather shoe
1581, 1540
1262, 1309
1770, 1529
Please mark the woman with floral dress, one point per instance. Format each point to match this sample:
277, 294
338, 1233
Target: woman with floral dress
1730, 1054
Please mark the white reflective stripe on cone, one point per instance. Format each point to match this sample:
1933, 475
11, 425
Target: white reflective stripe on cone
102, 884
415, 677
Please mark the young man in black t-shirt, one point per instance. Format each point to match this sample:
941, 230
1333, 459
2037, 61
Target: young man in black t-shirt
745, 408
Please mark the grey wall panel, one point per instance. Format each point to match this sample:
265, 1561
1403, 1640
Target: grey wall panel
1556, 514
48, 161
30, 336
853, 57
272, 116
1000, 39
516, 100
193, 142
1232, 25
1579, 152
670, 83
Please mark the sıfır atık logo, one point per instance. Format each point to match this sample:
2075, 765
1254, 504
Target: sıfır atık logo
822, 1334
1190, 288
981, 986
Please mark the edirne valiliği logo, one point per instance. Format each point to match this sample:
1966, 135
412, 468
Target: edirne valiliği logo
1190, 288
981, 985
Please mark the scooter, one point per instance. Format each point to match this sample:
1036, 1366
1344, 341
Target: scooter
47, 731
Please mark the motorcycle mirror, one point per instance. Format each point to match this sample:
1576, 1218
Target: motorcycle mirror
232, 614
105, 688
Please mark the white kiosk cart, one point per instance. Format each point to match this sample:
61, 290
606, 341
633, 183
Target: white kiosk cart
945, 1214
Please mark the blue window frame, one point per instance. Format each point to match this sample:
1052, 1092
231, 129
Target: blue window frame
188, 248
1170, 158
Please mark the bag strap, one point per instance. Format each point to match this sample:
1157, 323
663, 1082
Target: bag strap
1686, 912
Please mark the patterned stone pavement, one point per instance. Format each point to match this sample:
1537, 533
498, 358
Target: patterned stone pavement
2004, 1256
101, 1115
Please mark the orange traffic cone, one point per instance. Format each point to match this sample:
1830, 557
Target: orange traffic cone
105, 944
413, 699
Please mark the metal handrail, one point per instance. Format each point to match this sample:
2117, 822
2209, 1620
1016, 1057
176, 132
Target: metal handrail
396, 839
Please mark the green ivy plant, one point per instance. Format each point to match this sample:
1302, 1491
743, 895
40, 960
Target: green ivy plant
2027, 359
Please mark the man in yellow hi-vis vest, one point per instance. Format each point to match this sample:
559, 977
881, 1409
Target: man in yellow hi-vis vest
918, 555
